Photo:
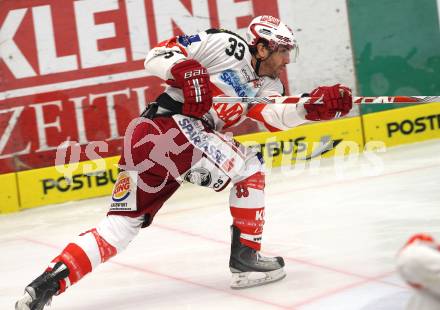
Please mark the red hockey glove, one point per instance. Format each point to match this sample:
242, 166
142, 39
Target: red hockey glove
336, 102
193, 79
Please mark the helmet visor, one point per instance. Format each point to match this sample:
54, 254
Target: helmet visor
291, 50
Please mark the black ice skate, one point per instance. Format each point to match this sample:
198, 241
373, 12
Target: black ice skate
40, 291
249, 268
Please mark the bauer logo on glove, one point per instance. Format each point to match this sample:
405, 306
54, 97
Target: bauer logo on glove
195, 73
193, 79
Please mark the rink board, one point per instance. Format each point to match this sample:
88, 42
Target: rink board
51, 185
8, 193
406, 125
310, 141
90, 179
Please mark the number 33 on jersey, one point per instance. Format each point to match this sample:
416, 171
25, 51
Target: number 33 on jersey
217, 50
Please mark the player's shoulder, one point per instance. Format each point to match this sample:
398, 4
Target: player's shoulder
224, 33
268, 84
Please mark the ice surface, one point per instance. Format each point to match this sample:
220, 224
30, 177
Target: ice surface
337, 226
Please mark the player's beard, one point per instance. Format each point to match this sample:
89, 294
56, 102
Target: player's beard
272, 67
277, 72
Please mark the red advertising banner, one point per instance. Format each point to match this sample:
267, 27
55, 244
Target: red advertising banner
73, 70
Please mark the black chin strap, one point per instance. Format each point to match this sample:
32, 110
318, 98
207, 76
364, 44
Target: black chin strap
259, 61
257, 66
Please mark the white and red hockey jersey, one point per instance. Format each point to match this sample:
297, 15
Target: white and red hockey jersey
227, 58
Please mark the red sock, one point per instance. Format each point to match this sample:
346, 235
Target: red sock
78, 261
247, 209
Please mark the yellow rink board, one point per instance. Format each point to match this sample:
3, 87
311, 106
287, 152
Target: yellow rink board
91, 179
405, 125
8, 193
310, 141
70, 182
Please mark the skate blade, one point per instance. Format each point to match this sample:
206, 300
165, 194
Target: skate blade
24, 302
250, 279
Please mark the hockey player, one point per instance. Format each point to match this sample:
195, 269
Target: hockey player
419, 265
177, 138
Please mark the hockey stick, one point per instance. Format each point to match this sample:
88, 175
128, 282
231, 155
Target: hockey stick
318, 100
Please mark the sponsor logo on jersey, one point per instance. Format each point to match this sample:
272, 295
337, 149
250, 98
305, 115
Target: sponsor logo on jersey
199, 176
248, 73
202, 140
229, 113
231, 78
121, 190
229, 165
186, 40
245, 75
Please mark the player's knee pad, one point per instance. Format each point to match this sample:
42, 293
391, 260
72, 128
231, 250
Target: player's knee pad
253, 165
248, 189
